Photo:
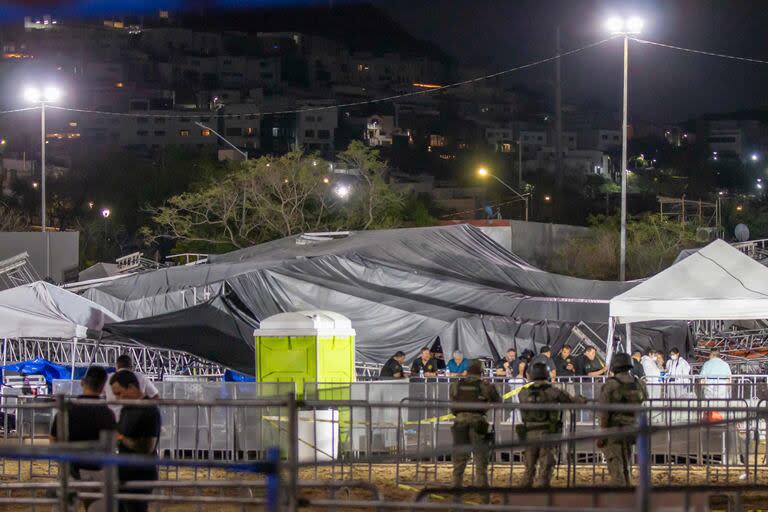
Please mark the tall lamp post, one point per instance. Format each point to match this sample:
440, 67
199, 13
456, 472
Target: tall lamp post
624, 28
484, 172
48, 95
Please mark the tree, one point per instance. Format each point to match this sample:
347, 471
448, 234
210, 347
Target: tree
12, 219
274, 197
652, 245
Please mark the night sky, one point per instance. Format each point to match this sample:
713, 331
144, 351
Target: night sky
665, 85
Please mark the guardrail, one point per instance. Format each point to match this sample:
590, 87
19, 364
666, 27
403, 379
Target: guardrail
358, 432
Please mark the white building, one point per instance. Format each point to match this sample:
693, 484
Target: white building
379, 130
317, 128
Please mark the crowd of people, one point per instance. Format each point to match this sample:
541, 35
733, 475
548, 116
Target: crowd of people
137, 427
650, 366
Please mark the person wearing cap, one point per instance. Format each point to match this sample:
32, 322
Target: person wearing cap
457, 366
470, 426
539, 424
545, 357
621, 388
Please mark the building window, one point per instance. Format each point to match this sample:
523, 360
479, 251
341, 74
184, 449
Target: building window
234, 131
205, 132
309, 133
142, 133
615, 137
159, 133
323, 134
159, 120
142, 120
605, 137
309, 119
437, 141
250, 131
185, 120
73, 124
506, 147
275, 131
184, 133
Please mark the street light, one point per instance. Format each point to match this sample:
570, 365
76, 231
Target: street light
482, 171
547, 198
106, 212
624, 27
755, 157
343, 191
49, 94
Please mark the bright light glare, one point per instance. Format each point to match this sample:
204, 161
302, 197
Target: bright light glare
760, 185
32, 94
754, 157
482, 171
106, 212
342, 191
52, 94
326, 180
634, 25
547, 198
614, 25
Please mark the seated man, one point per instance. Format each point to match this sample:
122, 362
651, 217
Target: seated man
85, 422
457, 367
425, 364
506, 366
393, 368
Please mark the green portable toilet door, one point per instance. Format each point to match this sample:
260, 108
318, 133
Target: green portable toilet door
287, 359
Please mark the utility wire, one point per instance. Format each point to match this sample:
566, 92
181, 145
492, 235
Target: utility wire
700, 52
345, 105
18, 110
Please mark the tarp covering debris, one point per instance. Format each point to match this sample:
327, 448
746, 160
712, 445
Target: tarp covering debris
401, 289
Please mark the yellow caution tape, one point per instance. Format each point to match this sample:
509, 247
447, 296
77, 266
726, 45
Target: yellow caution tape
516, 391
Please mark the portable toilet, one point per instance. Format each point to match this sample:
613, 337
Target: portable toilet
305, 346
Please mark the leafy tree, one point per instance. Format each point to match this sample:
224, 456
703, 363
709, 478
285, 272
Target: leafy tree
652, 245
274, 197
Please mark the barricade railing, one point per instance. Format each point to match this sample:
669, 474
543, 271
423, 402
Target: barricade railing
334, 438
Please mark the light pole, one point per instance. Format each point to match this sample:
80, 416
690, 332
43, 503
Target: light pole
105, 212
484, 172
624, 28
48, 95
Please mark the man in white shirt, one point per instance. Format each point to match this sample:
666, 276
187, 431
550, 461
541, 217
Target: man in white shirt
717, 376
652, 374
678, 370
148, 389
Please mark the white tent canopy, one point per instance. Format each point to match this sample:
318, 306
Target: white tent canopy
717, 282
43, 310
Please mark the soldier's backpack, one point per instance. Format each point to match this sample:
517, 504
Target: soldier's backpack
469, 390
549, 419
625, 393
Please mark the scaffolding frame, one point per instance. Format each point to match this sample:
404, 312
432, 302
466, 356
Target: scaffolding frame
17, 271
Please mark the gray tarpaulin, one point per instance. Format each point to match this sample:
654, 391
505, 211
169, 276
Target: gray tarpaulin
401, 289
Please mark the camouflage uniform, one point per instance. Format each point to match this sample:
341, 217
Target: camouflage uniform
471, 428
623, 388
539, 425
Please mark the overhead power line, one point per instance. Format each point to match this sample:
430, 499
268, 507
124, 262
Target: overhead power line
345, 105
18, 110
700, 52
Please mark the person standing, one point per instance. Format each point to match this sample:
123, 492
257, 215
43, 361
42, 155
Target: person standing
590, 364
652, 374
621, 388
564, 363
148, 390
539, 424
138, 432
545, 357
424, 365
717, 377
85, 423
470, 426
678, 371
393, 368
457, 366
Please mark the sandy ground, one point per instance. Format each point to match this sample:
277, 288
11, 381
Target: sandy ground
386, 478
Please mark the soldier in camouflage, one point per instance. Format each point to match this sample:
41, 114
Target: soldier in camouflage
470, 426
621, 388
538, 424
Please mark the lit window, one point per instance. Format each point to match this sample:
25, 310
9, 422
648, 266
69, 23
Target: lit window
184, 133
119, 85
506, 147
275, 131
437, 141
73, 124
205, 132
250, 130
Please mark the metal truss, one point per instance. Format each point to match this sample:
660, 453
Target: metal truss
155, 363
17, 271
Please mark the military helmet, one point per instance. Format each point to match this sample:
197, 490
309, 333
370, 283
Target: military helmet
539, 372
621, 362
475, 367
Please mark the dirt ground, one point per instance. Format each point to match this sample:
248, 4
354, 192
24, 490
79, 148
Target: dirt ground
394, 483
